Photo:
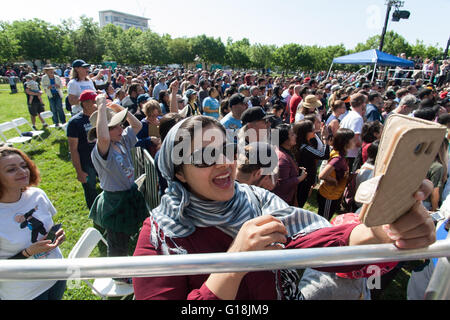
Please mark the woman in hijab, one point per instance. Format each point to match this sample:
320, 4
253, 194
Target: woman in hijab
204, 210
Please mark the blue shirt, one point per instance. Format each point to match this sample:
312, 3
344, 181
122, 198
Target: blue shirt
232, 125
373, 114
213, 105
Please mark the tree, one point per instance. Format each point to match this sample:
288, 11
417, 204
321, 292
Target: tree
208, 49
290, 57
88, 44
8, 43
393, 44
37, 39
261, 56
237, 53
153, 48
180, 51
420, 50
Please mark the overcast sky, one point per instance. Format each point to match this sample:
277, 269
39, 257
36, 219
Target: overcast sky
309, 22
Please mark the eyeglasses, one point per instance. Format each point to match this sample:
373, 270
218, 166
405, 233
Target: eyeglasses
210, 156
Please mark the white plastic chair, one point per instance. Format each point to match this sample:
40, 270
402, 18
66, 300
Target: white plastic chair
104, 287
49, 115
7, 126
22, 121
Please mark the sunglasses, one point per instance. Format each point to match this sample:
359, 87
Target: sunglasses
209, 156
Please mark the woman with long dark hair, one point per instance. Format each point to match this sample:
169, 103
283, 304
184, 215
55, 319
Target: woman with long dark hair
307, 157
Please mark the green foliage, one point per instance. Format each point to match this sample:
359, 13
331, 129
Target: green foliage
36, 39
180, 51
208, 49
261, 56
237, 53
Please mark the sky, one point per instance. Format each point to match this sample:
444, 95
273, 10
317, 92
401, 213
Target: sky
278, 22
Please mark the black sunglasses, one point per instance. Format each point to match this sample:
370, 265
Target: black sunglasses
210, 156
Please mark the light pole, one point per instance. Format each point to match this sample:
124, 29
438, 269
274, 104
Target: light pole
396, 16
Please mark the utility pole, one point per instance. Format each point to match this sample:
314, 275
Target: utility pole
446, 50
386, 21
396, 17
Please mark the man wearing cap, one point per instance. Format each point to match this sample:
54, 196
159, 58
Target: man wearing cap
52, 85
255, 125
79, 82
141, 100
244, 90
80, 147
232, 121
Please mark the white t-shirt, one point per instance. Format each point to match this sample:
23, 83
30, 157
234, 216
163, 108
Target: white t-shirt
354, 122
23, 223
75, 88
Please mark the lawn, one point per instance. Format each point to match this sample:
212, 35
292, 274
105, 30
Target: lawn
66, 193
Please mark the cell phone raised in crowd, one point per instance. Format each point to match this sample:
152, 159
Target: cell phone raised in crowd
52, 233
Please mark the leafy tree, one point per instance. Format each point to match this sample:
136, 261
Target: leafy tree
8, 43
393, 44
88, 44
237, 53
261, 56
209, 49
180, 51
37, 39
153, 48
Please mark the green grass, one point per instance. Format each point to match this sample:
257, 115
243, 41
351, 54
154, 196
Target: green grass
66, 193
58, 179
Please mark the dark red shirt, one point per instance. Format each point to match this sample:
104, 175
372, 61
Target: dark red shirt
259, 285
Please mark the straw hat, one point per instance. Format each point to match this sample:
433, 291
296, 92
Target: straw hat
311, 102
112, 117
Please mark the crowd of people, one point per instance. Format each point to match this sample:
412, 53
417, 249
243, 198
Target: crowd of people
273, 144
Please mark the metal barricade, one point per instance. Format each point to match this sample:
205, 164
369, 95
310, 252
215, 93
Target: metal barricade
173, 265
145, 164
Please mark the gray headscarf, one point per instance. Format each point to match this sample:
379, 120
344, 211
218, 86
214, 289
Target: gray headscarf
181, 212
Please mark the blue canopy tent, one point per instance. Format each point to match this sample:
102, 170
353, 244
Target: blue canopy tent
372, 57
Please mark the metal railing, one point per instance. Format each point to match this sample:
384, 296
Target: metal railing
174, 265
144, 164
193, 264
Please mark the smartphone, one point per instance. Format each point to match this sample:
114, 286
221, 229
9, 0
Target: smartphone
52, 233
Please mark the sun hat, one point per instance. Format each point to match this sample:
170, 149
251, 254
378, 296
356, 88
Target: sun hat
311, 102
113, 118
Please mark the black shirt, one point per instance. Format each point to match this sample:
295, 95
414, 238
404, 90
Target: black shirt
78, 127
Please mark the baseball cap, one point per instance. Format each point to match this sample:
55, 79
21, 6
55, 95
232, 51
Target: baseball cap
80, 63
243, 87
254, 114
236, 98
143, 98
88, 95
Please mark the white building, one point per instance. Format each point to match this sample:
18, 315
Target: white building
123, 20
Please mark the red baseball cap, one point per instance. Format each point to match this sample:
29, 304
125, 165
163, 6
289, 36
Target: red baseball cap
88, 95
